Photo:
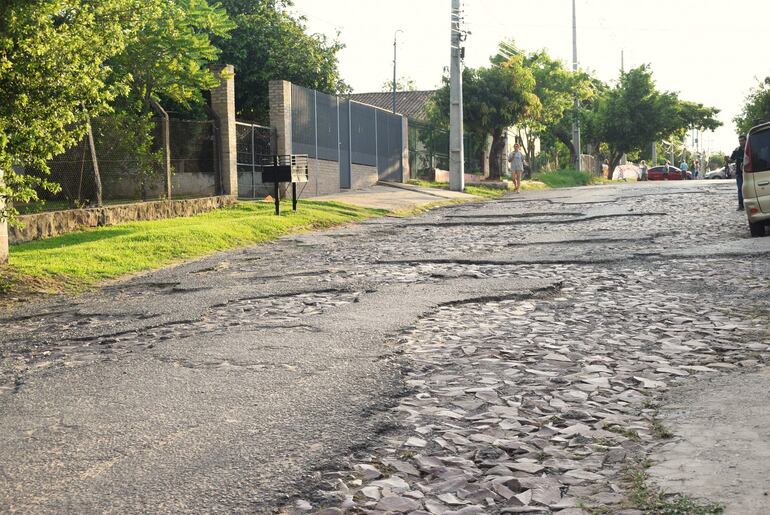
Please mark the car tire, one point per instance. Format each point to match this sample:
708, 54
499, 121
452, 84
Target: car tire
757, 229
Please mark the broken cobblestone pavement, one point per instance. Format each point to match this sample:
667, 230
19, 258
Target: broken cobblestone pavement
501, 357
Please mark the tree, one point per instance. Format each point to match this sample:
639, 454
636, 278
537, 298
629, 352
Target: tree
557, 88
494, 99
269, 44
52, 76
167, 61
633, 114
756, 108
402, 84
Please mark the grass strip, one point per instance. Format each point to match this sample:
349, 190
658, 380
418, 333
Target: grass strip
78, 260
481, 190
649, 499
566, 178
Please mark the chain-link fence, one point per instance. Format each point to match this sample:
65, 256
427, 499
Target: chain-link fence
429, 150
132, 168
253, 143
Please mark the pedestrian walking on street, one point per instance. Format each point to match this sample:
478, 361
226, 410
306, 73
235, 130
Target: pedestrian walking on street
516, 158
695, 169
737, 158
666, 170
643, 171
684, 167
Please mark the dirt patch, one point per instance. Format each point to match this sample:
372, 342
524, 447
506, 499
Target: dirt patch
722, 445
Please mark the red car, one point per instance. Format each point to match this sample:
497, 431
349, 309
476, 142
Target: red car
658, 173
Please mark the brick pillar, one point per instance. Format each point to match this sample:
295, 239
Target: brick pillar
405, 171
3, 229
223, 105
280, 115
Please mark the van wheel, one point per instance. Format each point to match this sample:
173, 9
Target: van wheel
757, 229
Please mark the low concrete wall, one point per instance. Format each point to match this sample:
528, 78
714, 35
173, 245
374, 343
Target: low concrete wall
54, 223
363, 176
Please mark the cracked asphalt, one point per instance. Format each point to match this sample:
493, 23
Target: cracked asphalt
500, 350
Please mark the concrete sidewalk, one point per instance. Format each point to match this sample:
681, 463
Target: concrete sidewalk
395, 197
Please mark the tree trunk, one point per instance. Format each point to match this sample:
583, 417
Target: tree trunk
616, 157
94, 163
495, 156
567, 140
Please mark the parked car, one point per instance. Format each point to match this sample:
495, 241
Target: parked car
718, 174
658, 173
756, 179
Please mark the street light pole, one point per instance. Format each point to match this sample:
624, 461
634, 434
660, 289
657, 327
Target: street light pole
395, 34
576, 120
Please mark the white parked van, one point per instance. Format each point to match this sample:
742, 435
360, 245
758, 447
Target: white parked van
756, 179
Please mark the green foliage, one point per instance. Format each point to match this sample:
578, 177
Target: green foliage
52, 75
716, 161
168, 58
402, 84
557, 88
756, 108
564, 178
269, 44
62, 61
84, 258
633, 114
494, 99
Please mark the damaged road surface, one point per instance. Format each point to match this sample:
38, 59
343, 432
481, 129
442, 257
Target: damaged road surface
515, 356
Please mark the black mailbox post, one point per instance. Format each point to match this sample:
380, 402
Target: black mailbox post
287, 168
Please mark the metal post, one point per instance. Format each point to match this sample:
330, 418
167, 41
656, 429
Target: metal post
394, 69
654, 160
253, 164
277, 198
576, 119
456, 157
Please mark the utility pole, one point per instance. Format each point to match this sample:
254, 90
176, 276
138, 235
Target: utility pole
395, 34
576, 119
456, 157
654, 161
623, 60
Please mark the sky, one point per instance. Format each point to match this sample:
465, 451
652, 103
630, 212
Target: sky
710, 51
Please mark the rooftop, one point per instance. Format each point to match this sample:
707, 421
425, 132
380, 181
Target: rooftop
409, 103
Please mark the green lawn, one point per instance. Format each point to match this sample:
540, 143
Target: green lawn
77, 260
481, 190
565, 178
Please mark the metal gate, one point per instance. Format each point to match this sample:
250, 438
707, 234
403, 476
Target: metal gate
253, 142
347, 132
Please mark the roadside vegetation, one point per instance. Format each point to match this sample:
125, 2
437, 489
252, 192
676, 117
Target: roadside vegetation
75, 261
540, 181
566, 178
649, 499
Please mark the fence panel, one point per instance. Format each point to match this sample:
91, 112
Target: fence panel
131, 168
327, 130
388, 146
345, 162
363, 128
303, 121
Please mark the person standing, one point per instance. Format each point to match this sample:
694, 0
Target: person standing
516, 158
684, 167
737, 158
643, 171
606, 169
